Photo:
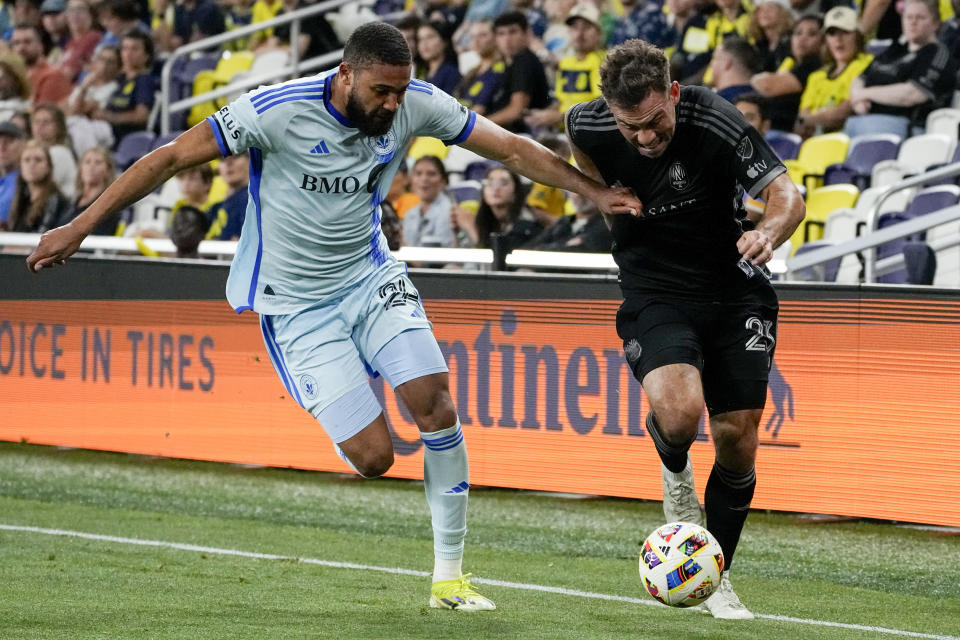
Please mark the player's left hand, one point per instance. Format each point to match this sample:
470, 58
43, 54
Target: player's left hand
618, 200
756, 247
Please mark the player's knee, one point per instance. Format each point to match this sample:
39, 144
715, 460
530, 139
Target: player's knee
373, 464
436, 411
735, 442
679, 423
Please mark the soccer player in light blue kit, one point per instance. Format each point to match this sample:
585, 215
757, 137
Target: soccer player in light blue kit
334, 304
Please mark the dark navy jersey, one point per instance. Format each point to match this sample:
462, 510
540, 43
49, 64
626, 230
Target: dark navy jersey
685, 245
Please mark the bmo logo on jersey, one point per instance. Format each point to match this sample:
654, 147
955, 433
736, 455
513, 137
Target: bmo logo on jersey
323, 184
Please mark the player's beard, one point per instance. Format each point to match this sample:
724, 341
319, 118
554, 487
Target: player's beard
372, 123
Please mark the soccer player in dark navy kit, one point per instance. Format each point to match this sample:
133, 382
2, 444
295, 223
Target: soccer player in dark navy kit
698, 321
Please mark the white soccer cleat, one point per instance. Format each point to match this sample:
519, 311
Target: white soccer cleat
460, 595
680, 502
724, 603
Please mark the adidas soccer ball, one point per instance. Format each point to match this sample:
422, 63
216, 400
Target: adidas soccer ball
681, 564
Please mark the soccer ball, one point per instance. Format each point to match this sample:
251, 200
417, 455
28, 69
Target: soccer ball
681, 564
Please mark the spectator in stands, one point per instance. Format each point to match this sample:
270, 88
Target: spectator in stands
98, 85
733, 65
399, 194
585, 231
24, 12
825, 103
408, 26
53, 21
129, 106
477, 87
578, 75
49, 126
753, 107
391, 225
436, 59
689, 50
189, 227
907, 81
6, 18
49, 84
548, 204
783, 88
97, 172
11, 144
880, 19
524, 83
195, 20
195, 184
227, 217
645, 21
730, 19
118, 18
316, 35
950, 31
428, 223
478, 10
83, 39
769, 29
14, 86
37, 204
501, 211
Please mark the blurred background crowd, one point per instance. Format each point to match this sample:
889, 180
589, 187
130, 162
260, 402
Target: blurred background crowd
80, 92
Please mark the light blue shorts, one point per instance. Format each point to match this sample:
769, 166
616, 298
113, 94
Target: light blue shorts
326, 352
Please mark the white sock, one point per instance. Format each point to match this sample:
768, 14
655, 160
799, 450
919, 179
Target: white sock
446, 569
445, 474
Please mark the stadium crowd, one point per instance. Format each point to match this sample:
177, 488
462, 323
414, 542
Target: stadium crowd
80, 79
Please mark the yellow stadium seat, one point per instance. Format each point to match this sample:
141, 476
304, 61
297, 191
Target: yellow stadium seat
427, 147
202, 83
816, 154
230, 64
821, 202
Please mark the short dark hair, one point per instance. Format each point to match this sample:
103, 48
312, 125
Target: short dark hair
145, 40
742, 52
632, 71
754, 99
122, 9
409, 22
510, 18
376, 43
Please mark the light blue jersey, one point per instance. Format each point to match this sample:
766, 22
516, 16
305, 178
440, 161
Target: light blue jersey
312, 227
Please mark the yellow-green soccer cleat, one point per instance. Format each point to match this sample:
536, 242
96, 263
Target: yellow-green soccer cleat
458, 594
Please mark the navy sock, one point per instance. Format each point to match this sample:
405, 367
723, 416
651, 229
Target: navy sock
727, 501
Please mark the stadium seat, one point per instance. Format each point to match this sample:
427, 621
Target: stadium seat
820, 203
815, 155
424, 146
270, 61
467, 194
478, 170
785, 144
826, 272
916, 154
202, 83
132, 147
864, 153
933, 199
231, 63
894, 247
920, 262
459, 158
945, 121
164, 138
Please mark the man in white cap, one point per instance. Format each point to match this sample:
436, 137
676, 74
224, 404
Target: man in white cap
578, 75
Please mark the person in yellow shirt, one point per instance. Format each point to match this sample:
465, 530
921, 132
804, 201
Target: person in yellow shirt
578, 76
825, 103
262, 11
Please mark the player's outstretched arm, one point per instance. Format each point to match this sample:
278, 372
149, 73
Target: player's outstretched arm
784, 212
533, 160
195, 146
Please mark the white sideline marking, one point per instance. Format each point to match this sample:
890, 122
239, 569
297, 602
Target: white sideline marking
411, 572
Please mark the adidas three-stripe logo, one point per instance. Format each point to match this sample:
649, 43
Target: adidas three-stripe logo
321, 148
460, 488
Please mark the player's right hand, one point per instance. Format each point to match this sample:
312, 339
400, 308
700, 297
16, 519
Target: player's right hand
55, 247
619, 200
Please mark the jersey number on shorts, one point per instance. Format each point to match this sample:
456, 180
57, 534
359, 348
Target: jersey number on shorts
763, 339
